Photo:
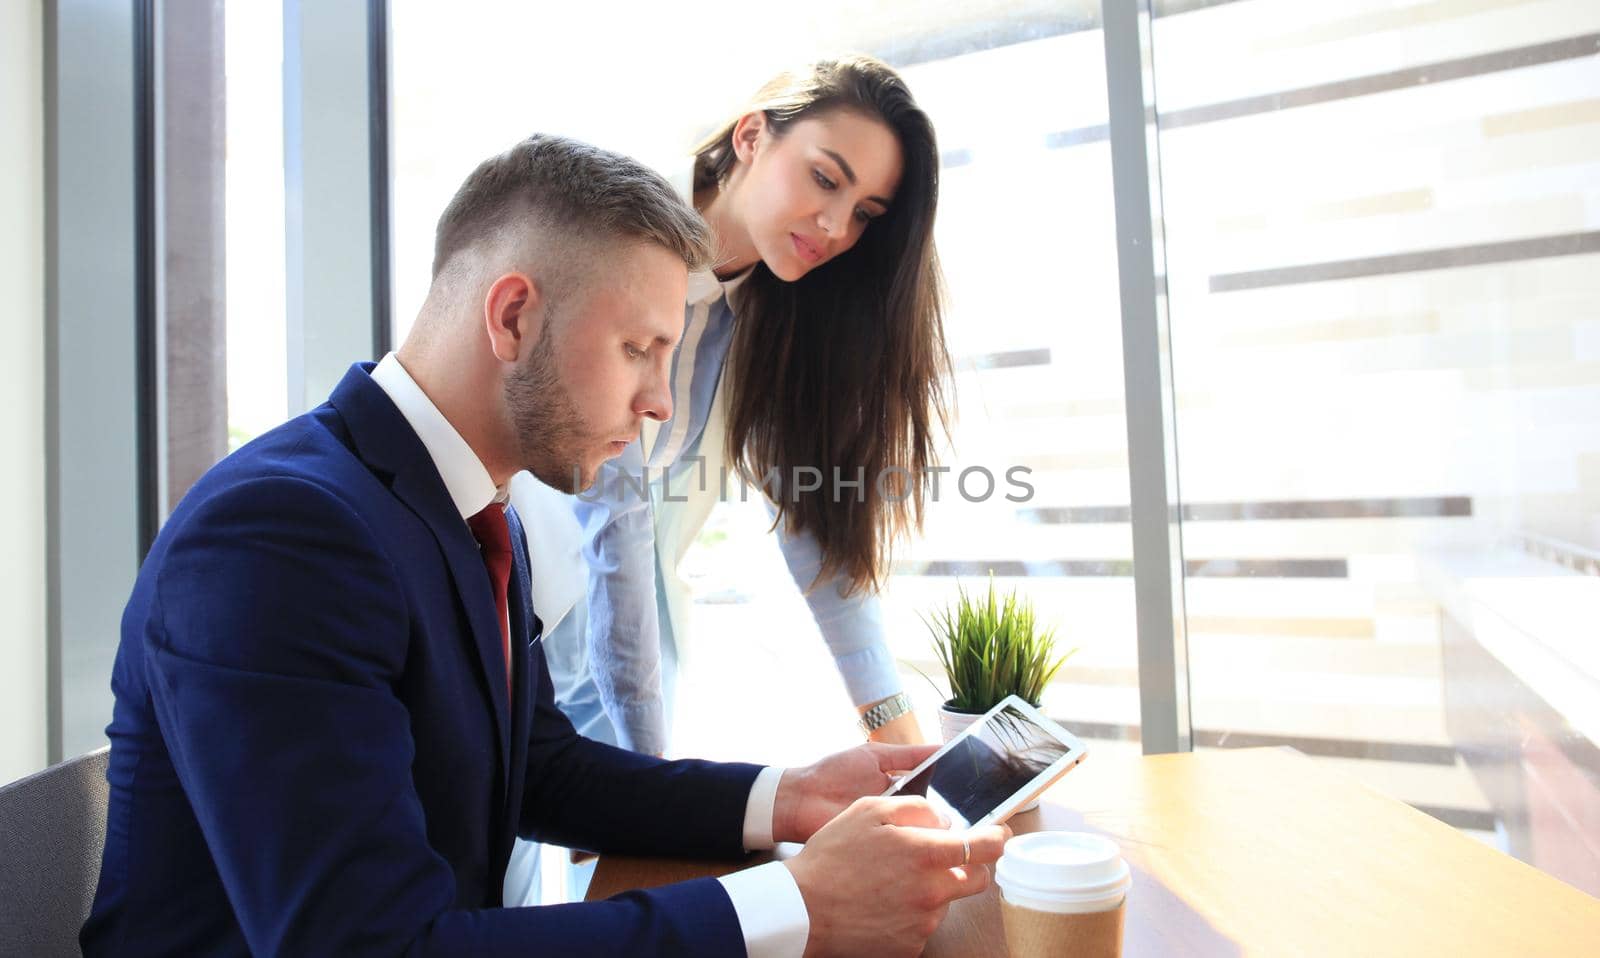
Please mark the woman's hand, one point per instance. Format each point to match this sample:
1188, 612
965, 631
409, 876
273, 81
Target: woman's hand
902, 730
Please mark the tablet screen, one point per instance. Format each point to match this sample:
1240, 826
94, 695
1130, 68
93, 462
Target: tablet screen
987, 767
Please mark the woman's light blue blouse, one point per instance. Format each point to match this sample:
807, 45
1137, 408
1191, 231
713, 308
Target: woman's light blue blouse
624, 630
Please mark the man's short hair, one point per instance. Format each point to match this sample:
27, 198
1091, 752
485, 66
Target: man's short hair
579, 192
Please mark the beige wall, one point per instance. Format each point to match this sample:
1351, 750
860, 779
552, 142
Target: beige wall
22, 520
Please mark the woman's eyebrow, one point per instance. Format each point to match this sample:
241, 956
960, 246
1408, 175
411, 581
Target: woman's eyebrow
844, 165
850, 175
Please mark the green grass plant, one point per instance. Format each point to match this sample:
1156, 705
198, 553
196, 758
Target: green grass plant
992, 647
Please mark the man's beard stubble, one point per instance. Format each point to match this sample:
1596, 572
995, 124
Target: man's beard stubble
546, 420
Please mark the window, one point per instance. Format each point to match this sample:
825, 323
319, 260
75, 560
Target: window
1381, 243
1027, 237
257, 377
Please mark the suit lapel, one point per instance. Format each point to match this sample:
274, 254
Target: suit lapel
387, 443
415, 489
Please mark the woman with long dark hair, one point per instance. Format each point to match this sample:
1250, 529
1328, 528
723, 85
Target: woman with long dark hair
812, 363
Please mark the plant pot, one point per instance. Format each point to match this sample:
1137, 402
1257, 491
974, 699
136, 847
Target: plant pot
953, 723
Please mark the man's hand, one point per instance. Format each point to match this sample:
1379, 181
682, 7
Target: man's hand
878, 879
808, 798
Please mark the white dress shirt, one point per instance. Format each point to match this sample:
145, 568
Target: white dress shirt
772, 914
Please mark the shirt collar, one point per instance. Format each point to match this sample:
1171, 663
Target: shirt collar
463, 473
704, 287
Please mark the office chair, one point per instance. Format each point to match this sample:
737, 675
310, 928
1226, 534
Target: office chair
52, 830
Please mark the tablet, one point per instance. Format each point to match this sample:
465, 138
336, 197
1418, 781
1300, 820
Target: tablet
995, 766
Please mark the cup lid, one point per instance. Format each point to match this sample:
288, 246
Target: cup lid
1065, 865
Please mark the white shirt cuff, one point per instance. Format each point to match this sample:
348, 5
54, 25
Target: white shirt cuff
772, 914
759, 809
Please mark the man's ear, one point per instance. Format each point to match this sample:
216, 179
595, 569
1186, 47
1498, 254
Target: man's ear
511, 314
747, 135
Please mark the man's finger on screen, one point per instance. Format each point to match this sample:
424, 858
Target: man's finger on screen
912, 811
901, 758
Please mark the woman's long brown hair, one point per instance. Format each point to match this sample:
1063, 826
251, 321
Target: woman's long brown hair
844, 370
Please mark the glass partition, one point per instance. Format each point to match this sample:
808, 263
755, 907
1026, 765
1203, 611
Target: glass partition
1382, 232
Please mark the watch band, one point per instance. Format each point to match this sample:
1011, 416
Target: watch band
884, 712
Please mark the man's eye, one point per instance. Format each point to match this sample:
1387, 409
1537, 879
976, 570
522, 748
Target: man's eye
633, 351
822, 181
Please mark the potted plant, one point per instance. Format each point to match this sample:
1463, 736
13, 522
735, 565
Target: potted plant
991, 647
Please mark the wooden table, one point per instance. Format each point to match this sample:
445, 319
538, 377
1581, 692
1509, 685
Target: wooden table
1262, 852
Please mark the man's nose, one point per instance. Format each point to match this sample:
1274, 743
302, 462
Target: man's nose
655, 399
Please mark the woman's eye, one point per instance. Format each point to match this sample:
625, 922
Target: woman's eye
863, 217
822, 181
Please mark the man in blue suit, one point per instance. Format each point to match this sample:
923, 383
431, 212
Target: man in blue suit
332, 714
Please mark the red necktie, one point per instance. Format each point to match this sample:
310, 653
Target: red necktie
489, 527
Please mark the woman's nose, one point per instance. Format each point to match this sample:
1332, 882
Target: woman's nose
827, 221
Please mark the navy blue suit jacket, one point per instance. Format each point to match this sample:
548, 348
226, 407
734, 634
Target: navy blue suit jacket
312, 751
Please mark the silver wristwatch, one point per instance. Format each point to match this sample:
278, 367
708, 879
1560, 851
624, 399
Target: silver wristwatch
884, 712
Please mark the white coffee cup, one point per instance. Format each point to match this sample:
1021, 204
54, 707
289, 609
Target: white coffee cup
1063, 891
